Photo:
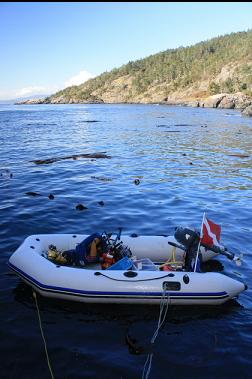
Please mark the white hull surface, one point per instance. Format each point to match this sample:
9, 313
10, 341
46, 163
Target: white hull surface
119, 286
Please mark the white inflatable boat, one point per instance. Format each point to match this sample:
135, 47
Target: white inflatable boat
144, 283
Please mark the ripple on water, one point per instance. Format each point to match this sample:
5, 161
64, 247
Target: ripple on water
184, 169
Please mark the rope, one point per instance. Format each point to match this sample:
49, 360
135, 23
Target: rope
146, 371
42, 334
98, 273
164, 303
173, 259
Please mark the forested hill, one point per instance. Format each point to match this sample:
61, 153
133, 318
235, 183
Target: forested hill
185, 74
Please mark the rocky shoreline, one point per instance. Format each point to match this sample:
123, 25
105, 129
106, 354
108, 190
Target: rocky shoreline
237, 100
222, 101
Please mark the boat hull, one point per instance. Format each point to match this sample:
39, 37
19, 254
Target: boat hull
117, 286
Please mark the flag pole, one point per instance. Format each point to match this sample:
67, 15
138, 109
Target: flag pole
201, 235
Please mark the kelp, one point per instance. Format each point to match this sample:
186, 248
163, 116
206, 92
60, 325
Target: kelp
74, 157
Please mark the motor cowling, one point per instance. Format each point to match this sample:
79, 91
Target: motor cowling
187, 237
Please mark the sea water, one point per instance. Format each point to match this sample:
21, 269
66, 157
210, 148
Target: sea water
167, 165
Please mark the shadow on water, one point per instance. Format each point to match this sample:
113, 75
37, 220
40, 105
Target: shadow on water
128, 313
78, 332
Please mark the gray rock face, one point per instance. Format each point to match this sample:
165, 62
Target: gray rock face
241, 100
228, 101
31, 101
221, 100
60, 100
213, 101
247, 111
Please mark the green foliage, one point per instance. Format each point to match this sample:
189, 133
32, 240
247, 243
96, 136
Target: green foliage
228, 86
179, 68
214, 88
243, 86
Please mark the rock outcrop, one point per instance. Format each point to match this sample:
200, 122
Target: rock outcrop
221, 100
60, 100
31, 101
212, 101
247, 111
228, 101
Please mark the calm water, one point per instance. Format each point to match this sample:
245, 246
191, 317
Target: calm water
188, 161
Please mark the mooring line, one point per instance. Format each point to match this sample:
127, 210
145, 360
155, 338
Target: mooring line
164, 303
43, 336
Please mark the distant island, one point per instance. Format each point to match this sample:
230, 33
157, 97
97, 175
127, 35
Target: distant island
216, 73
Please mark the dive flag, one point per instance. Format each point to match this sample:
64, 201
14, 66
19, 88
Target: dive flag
210, 232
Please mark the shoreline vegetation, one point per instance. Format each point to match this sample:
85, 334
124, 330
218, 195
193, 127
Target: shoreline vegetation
212, 74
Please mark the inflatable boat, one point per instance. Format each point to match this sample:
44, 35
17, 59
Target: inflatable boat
143, 282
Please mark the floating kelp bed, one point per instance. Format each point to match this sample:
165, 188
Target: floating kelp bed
31, 193
87, 121
102, 178
74, 157
239, 155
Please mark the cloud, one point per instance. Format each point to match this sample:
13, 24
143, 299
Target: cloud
78, 79
28, 91
34, 90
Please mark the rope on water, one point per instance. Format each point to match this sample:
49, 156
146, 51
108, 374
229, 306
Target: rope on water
164, 303
43, 336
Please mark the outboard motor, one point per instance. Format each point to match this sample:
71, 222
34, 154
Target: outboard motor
189, 239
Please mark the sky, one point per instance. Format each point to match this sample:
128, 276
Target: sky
46, 46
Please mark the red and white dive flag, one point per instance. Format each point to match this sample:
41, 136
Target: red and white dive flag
210, 232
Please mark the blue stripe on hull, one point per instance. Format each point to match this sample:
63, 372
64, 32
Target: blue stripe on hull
117, 295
